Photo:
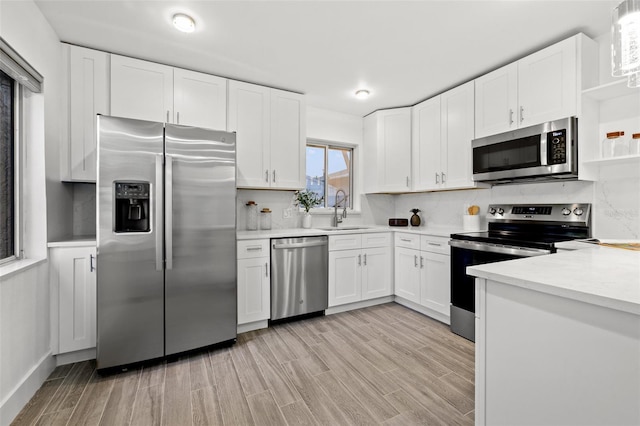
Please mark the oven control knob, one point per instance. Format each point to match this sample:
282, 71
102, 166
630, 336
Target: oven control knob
566, 211
492, 210
578, 211
501, 211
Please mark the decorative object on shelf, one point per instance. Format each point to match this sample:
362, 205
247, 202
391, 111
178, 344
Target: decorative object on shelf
415, 219
307, 199
394, 221
613, 144
252, 216
265, 218
634, 144
625, 42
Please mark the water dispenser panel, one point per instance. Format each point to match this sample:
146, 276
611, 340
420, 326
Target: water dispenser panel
132, 207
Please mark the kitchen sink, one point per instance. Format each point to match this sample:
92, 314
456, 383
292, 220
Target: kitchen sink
344, 228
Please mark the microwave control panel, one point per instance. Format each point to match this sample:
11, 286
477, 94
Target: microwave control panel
557, 147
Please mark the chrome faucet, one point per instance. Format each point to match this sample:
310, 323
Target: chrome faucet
337, 220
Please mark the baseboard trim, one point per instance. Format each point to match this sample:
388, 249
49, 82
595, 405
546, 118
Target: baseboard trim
256, 325
76, 356
358, 305
24, 391
425, 311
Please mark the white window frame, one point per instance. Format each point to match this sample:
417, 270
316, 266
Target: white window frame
352, 176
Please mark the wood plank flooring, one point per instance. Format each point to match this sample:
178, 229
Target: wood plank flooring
380, 365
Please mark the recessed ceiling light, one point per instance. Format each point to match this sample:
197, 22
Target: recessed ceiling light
362, 94
184, 23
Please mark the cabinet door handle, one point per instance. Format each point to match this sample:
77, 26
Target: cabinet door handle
444, 177
407, 181
406, 240
365, 259
254, 248
274, 176
415, 260
266, 176
359, 260
434, 244
510, 116
91, 265
521, 114
421, 262
266, 269
437, 178
178, 117
167, 116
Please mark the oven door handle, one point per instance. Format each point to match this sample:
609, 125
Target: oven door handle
496, 248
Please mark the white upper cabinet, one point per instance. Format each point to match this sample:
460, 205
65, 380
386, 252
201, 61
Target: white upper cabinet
271, 136
87, 80
388, 140
199, 99
155, 92
442, 130
141, 89
541, 87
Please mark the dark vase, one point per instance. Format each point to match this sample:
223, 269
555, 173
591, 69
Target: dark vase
415, 220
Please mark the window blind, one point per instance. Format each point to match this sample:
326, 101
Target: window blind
16, 67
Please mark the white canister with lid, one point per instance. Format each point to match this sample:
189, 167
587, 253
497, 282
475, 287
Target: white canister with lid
611, 142
252, 216
265, 219
634, 144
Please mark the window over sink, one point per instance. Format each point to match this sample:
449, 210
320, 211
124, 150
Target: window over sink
329, 169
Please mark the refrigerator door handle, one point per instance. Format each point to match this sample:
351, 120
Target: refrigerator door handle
158, 215
168, 220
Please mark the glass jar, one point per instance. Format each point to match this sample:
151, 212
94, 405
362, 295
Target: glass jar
252, 216
609, 144
634, 144
265, 219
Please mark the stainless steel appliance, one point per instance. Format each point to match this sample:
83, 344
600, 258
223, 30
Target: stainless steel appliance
299, 276
546, 151
166, 219
515, 231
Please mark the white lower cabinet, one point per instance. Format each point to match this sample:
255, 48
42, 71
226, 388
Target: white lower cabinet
361, 273
422, 273
73, 280
254, 282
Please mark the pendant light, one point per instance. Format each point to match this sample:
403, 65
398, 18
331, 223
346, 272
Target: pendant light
625, 42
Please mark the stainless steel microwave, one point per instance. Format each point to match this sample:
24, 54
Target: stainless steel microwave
546, 151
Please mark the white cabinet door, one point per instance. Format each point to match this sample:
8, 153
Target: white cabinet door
496, 101
74, 270
249, 116
287, 140
254, 290
199, 99
345, 277
395, 133
457, 134
547, 84
370, 155
407, 274
376, 273
435, 286
88, 80
426, 137
141, 89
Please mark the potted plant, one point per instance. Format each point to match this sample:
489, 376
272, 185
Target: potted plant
307, 199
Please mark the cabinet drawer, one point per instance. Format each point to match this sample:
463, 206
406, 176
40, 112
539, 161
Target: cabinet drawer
376, 240
434, 244
345, 242
411, 241
253, 248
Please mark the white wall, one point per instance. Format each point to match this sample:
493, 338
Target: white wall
25, 357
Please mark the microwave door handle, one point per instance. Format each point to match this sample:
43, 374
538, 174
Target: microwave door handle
543, 149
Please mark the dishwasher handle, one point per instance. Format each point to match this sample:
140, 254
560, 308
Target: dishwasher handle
299, 245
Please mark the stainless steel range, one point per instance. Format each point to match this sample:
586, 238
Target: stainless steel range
515, 231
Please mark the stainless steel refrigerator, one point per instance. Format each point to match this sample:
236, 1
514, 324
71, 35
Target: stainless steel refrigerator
166, 233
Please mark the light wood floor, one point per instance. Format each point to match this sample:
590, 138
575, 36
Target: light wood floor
380, 365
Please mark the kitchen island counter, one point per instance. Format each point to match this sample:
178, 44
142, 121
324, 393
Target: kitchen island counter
361, 229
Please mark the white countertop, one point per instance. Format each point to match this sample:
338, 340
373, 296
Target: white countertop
82, 241
301, 232
604, 276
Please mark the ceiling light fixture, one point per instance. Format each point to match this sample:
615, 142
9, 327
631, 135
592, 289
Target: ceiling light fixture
184, 23
625, 42
362, 94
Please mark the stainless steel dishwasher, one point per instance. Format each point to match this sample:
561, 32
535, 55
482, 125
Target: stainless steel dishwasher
299, 276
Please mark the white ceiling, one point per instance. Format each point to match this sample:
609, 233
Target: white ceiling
403, 51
